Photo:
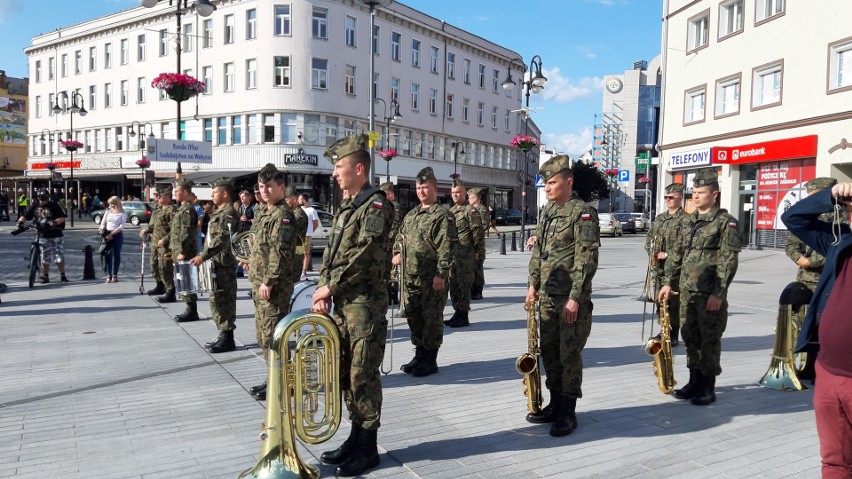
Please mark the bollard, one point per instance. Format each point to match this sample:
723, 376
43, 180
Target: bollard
88, 263
503, 243
514, 242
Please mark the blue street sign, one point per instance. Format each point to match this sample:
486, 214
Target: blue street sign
539, 182
624, 175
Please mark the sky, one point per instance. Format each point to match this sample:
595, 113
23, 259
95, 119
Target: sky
580, 42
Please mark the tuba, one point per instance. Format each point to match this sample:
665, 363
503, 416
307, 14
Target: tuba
241, 245
660, 347
781, 374
397, 282
527, 363
303, 394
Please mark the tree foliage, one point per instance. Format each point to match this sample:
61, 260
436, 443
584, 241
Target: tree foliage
590, 184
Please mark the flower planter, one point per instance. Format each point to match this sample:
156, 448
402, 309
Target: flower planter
71, 148
181, 93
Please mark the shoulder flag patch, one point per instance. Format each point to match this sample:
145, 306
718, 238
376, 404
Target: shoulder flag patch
732, 224
285, 221
586, 217
378, 204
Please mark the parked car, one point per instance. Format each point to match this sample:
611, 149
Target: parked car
627, 223
610, 225
642, 221
508, 217
138, 212
319, 240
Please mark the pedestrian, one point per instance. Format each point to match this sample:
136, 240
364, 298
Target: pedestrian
492, 214
393, 290
354, 276
291, 196
313, 225
826, 324
428, 236
4, 206
51, 216
89, 203
478, 284
711, 246
23, 204
469, 231
199, 227
563, 263
112, 230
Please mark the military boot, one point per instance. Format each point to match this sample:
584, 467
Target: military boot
548, 414
343, 452
691, 387
429, 364
461, 321
225, 344
188, 314
409, 366
169, 297
452, 319
159, 289
476, 292
218, 338
566, 419
364, 456
259, 391
706, 394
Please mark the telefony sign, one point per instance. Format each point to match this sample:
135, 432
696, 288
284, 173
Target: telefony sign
689, 159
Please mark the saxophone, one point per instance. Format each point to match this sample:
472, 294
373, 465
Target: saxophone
527, 363
660, 347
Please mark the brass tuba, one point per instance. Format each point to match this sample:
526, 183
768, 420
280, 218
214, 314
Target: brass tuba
303, 394
241, 245
781, 374
660, 347
527, 363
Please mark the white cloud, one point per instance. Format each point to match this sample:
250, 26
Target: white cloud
9, 8
563, 90
586, 52
575, 144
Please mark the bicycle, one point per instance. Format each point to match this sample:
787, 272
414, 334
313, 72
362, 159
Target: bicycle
35, 248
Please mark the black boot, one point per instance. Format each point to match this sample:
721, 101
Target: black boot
691, 387
189, 314
461, 321
343, 452
159, 289
364, 457
225, 344
218, 338
476, 292
169, 297
707, 393
259, 391
452, 319
566, 419
429, 364
409, 366
548, 414
257, 388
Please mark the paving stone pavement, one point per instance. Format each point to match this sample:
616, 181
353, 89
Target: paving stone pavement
99, 381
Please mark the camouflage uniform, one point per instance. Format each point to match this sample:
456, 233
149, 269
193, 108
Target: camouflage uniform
161, 226
182, 237
479, 270
469, 230
665, 234
301, 228
155, 257
217, 247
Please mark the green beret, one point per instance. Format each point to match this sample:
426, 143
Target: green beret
290, 191
222, 182
458, 182
184, 183
425, 175
822, 183
554, 165
674, 188
164, 190
386, 186
269, 173
705, 177
346, 146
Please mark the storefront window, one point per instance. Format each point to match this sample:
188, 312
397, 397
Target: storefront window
779, 186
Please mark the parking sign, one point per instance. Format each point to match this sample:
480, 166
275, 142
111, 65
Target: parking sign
624, 175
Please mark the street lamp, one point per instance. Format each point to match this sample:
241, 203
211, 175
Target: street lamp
455, 145
534, 84
394, 115
204, 8
80, 110
141, 145
373, 4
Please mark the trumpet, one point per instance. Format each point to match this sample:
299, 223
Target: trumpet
241, 244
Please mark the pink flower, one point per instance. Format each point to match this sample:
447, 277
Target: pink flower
166, 81
524, 142
387, 154
143, 163
71, 145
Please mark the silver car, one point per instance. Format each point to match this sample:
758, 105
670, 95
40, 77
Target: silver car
642, 221
319, 239
609, 225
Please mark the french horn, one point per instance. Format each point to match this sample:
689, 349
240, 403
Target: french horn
241, 245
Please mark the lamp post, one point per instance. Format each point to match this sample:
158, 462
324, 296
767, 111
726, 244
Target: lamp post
51, 165
141, 145
456, 153
372, 4
394, 115
535, 84
205, 8
80, 110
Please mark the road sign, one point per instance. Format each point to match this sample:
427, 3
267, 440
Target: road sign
539, 181
624, 175
180, 151
374, 135
642, 161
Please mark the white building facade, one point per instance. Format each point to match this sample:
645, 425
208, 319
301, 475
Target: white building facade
285, 79
758, 90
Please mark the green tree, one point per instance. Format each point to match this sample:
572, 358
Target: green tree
590, 184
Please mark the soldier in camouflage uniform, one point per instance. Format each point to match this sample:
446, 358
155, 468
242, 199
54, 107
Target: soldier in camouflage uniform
664, 236
810, 265
479, 271
708, 263
160, 234
291, 196
354, 276
564, 261
387, 187
271, 264
183, 240
217, 248
154, 234
469, 230
428, 235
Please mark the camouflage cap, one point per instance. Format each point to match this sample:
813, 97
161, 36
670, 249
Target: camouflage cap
458, 182
290, 191
269, 173
425, 175
474, 191
554, 165
222, 182
821, 183
705, 177
674, 188
164, 190
386, 186
184, 183
346, 146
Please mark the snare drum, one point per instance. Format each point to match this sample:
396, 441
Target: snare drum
191, 279
303, 295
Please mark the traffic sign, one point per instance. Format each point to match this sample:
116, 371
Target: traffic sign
624, 175
539, 181
373, 135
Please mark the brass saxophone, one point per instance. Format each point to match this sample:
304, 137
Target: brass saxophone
660, 347
527, 363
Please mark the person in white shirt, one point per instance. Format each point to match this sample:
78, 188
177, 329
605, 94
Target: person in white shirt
313, 224
112, 226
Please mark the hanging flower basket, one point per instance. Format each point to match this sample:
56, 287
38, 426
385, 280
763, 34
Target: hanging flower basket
50, 166
455, 176
611, 172
644, 180
387, 154
71, 145
143, 163
525, 143
179, 87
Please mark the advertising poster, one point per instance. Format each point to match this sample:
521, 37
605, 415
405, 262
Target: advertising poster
13, 121
780, 185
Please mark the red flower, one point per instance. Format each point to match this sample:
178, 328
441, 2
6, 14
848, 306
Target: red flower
143, 163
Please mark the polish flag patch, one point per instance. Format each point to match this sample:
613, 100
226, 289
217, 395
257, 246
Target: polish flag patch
732, 225
586, 217
378, 204
285, 221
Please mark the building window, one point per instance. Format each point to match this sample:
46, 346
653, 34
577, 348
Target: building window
693, 106
38, 107
208, 129
350, 31
395, 90
229, 77
433, 59
495, 81
396, 38
50, 68
251, 74
433, 101
768, 10
50, 104
415, 53
508, 119
78, 60
451, 65
140, 48
330, 129
107, 95
269, 128
237, 130
108, 55
349, 80
766, 85
415, 96
164, 43
282, 20
481, 76
288, 128
124, 46
251, 26
222, 131
494, 113
63, 65
840, 65
282, 71
140, 90
450, 100
229, 29
480, 114
466, 110
207, 75
319, 24
376, 39
466, 74
125, 92
93, 94
93, 58
188, 38
698, 31
730, 18
37, 74
319, 73
207, 33
251, 126
119, 138
311, 132
375, 84
728, 96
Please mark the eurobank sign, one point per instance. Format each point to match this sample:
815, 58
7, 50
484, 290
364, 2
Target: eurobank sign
689, 159
787, 149
184, 151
